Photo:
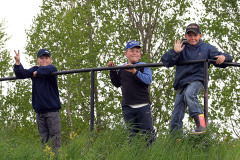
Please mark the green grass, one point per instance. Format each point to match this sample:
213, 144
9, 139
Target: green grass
115, 145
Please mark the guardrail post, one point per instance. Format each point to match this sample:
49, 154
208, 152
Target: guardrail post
92, 100
206, 91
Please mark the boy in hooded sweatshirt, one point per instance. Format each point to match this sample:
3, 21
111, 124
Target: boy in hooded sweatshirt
189, 78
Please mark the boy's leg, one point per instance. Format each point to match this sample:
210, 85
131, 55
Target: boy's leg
54, 126
145, 122
192, 91
178, 113
42, 128
130, 119
195, 109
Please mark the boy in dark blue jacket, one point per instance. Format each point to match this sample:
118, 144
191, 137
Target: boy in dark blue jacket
135, 96
45, 96
189, 78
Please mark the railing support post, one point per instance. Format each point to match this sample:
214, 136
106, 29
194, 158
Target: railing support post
206, 91
92, 100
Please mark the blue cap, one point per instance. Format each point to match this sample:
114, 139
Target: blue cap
43, 52
132, 44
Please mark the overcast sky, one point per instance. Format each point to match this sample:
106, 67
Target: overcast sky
18, 15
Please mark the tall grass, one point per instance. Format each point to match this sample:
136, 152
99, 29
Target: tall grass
115, 145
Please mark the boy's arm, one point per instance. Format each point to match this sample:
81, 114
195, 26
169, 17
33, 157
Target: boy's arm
46, 70
145, 77
115, 78
114, 75
22, 73
227, 58
170, 58
220, 57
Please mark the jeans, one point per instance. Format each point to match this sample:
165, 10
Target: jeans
186, 96
49, 128
139, 120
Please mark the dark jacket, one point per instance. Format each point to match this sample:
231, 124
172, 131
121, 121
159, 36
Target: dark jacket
192, 72
45, 94
134, 86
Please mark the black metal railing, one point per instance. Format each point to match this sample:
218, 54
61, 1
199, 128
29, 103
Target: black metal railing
93, 70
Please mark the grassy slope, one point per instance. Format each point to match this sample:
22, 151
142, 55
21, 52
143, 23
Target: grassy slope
114, 145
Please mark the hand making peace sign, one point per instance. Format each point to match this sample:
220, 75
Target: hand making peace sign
17, 57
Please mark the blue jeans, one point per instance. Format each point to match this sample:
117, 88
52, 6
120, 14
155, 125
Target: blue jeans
186, 97
139, 120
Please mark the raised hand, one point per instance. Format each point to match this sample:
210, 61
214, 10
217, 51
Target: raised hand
178, 45
17, 57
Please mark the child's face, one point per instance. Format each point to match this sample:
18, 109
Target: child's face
133, 54
193, 38
44, 60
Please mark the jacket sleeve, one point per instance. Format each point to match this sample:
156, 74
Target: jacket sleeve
22, 73
46, 70
214, 52
170, 58
228, 59
115, 78
145, 76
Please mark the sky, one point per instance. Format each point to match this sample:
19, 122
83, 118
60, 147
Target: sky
18, 16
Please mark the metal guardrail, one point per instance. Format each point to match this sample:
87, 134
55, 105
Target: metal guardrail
93, 70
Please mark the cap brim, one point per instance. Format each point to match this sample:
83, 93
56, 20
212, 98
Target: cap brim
43, 54
136, 46
192, 30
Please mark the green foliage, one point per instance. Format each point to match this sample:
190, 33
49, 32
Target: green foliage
5, 59
17, 109
221, 25
6, 112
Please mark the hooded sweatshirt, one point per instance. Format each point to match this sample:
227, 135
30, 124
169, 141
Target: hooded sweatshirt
185, 74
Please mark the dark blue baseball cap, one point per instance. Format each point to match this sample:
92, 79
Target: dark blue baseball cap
132, 44
43, 52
